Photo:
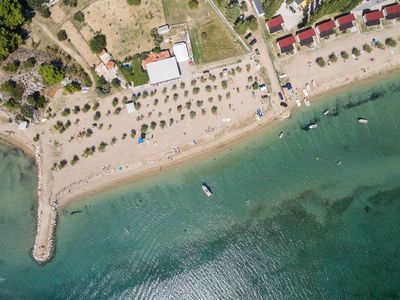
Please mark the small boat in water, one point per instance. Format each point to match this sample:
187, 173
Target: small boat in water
307, 102
281, 134
326, 112
312, 126
206, 190
363, 120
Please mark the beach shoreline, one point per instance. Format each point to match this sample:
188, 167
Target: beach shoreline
130, 162
142, 175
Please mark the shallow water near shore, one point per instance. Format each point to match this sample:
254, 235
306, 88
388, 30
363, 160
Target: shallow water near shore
312, 215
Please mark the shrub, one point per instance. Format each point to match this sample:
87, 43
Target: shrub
11, 67
224, 84
390, 42
320, 62
76, 109
62, 164
97, 116
29, 63
144, 128
114, 102
66, 112
134, 2
79, 16
72, 87
192, 114
367, 48
332, 57
356, 52
98, 43
153, 125
188, 105
196, 90
74, 160
199, 103
102, 146
193, 4
86, 107
162, 124
344, 55
62, 35
51, 74
13, 88
72, 3
214, 109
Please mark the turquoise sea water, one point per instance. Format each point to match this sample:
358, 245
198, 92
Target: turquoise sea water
286, 222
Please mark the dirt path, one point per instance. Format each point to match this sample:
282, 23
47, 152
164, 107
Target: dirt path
78, 58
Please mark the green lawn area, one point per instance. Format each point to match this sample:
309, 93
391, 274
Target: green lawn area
135, 73
210, 38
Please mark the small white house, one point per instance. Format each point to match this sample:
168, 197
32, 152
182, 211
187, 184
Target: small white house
163, 29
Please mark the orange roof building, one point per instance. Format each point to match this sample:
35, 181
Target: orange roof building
155, 57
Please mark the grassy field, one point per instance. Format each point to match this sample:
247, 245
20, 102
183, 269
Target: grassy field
211, 40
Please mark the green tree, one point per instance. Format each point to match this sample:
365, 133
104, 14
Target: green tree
320, 62
79, 16
62, 35
240, 27
51, 74
344, 55
11, 21
72, 87
72, 3
232, 12
98, 43
252, 23
390, 42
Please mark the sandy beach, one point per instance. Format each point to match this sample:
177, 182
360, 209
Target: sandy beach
182, 120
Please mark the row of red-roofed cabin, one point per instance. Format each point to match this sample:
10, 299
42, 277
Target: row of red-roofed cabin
326, 28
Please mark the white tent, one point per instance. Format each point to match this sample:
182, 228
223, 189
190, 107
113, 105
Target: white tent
181, 52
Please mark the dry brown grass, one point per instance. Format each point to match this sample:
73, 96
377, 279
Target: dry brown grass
126, 27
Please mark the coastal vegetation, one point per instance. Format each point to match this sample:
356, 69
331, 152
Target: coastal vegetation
271, 7
328, 7
11, 23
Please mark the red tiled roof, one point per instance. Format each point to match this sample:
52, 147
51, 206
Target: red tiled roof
393, 9
374, 15
289, 40
346, 19
110, 65
328, 25
275, 21
152, 57
306, 34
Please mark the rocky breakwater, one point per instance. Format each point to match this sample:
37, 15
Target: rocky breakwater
46, 217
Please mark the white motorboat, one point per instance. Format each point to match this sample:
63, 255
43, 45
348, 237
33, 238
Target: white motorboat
363, 120
307, 102
206, 190
326, 112
312, 126
281, 134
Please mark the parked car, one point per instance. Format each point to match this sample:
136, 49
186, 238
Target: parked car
257, 51
253, 42
292, 9
281, 96
247, 36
